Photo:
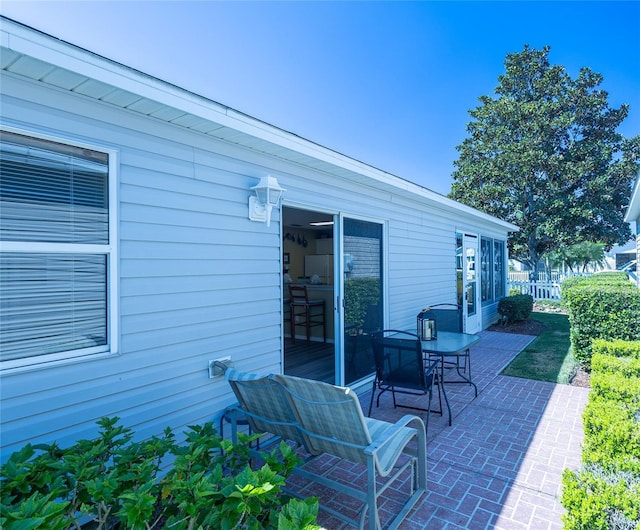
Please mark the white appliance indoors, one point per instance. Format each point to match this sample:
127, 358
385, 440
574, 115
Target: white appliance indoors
320, 265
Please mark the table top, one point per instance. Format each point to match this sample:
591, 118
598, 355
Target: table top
449, 343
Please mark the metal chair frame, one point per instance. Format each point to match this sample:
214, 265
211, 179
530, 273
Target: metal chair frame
327, 419
448, 317
402, 369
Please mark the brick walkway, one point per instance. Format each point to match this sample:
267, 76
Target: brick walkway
499, 466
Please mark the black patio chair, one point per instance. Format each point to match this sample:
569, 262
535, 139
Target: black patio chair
401, 369
448, 317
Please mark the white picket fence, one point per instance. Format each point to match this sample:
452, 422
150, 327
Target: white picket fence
523, 276
547, 286
539, 290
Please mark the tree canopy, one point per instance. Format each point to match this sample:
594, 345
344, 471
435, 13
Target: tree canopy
578, 257
544, 155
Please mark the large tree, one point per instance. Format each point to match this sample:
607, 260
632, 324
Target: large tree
544, 154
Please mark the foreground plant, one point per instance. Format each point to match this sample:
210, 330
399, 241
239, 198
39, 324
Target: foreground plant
604, 494
115, 482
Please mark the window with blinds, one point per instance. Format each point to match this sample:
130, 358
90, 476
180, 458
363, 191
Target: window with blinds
54, 258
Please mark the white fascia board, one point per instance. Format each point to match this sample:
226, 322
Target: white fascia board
633, 211
59, 53
28, 41
474, 214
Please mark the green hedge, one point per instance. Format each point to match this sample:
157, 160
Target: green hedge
515, 307
617, 348
605, 493
362, 302
605, 306
612, 435
620, 386
597, 500
628, 367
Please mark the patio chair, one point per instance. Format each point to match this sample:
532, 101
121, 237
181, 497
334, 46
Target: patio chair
264, 406
400, 369
329, 419
448, 317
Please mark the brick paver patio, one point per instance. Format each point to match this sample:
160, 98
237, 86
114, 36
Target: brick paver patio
499, 466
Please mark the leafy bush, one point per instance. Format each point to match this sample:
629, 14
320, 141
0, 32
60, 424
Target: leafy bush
117, 482
612, 435
605, 493
627, 367
600, 500
617, 348
600, 307
622, 387
516, 307
362, 302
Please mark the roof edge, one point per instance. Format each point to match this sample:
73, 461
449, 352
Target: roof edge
633, 210
24, 39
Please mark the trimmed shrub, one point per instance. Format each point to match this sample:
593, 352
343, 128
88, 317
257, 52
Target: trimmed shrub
516, 307
618, 348
618, 386
622, 365
600, 500
600, 307
605, 493
612, 435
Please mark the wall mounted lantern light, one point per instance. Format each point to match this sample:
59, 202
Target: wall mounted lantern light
267, 196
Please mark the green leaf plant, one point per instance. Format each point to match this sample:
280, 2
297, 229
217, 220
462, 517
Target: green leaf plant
115, 482
605, 492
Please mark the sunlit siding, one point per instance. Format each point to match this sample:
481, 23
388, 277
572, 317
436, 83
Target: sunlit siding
198, 280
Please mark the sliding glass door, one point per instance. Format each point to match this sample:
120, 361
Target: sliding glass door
362, 276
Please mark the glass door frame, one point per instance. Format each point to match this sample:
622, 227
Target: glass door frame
339, 266
310, 209
471, 323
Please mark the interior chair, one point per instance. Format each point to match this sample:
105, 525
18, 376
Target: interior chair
305, 312
286, 310
401, 369
448, 317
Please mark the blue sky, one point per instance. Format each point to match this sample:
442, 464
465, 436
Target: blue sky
387, 83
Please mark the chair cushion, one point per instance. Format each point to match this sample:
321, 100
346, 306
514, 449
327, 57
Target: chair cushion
263, 396
390, 451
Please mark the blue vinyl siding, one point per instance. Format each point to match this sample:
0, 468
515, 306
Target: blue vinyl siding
197, 279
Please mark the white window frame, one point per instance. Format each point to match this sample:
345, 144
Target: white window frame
503, 269
110, 250
490, 271
495, 298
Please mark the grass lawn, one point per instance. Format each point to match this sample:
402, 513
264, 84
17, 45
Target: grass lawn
549, 356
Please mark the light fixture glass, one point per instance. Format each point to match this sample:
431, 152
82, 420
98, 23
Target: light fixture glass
267, 196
